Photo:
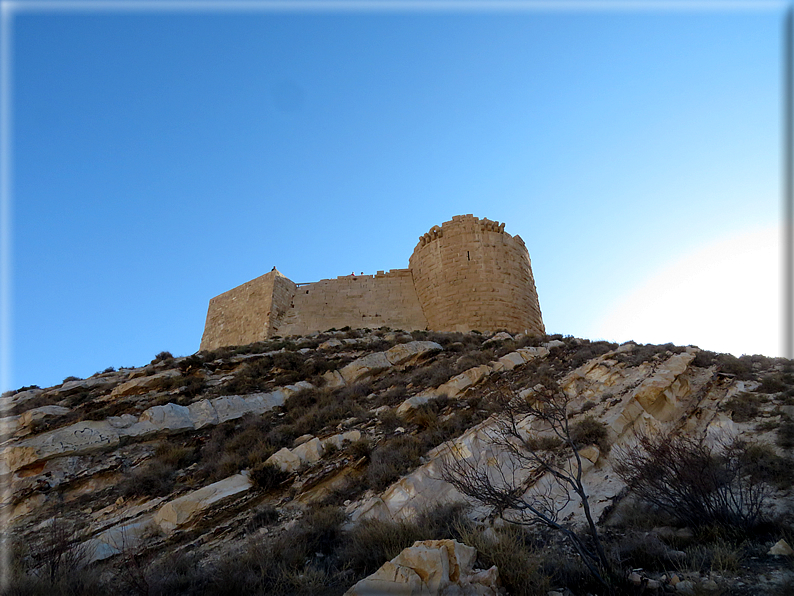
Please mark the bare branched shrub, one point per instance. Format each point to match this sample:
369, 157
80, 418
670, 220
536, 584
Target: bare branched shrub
694, 482
511, 487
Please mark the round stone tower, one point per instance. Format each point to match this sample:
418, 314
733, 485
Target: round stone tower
470, 274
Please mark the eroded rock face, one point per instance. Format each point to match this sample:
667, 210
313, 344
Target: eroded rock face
90, 435
430, 568
651, 397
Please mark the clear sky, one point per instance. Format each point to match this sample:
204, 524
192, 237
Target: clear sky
160, 157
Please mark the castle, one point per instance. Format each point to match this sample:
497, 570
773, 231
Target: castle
466, 274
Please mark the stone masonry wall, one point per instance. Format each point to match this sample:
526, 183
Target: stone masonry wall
386, 299
245, 314
470, 274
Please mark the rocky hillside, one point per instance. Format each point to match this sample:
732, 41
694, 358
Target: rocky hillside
305, 465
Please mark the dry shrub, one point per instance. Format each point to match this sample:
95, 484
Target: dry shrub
373, 542
695, 483
745, 406
267, 476
773, 383
432, 375
154, 479
472, 359
236, 445
512, 551
177, 573
716, 556
644, 549
389, 420
391, 459
785, 434
590, 432
740, 367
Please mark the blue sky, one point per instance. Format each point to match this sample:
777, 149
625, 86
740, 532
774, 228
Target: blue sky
161, 157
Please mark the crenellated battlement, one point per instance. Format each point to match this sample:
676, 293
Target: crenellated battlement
467, 273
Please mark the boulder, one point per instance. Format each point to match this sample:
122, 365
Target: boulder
20, 397
285, 460
331, 343
501, 336
508, 362
333, 379
310, 451
413, 402
430, 568
459, 383
531, 353
26, 418
781, 549
70, 387
365, 366
143, 384
340, 439
182, 510
411, 352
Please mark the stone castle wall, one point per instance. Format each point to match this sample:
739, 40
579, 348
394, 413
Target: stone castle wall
465, 274
470, 274
247, 313
382, 300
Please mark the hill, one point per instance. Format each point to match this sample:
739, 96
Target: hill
301, 465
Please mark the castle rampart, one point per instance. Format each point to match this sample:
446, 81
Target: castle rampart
466, 274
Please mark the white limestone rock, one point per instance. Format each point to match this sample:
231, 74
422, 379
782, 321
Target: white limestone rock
341, 439
508, 362
460, 383
501, 336
202, 413
119, 539
310, 451
333, 379
364, 367
411, 351
331, 343
167, 417
143, 384
285, 460
531, 353
658, 394
180, 511
80, 437
430, 568
782, 549
404, 409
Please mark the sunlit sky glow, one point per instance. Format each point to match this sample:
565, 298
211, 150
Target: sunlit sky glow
160, 158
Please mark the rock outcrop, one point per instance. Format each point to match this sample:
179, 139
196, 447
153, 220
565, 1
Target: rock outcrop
431, 568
